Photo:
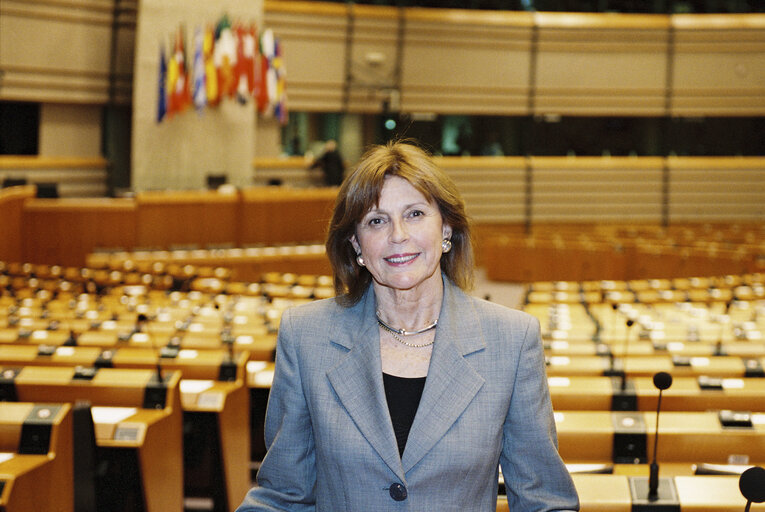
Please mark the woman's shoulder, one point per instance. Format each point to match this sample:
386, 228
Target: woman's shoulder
315, 310
491, 312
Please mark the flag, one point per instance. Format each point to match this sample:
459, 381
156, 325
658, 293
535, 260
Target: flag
245, 63
280, 108
177, 78
211, 74
172, 83
200, 87
225, 57
267, 77
161, 96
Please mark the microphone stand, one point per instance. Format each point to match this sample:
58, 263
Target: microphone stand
653, 478
647, 493
662, 381
625, 352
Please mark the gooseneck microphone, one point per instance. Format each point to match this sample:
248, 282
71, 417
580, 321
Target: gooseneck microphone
662, 381
752, 486
625, 352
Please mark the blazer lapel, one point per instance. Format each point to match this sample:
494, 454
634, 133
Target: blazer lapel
357, 380
452, 382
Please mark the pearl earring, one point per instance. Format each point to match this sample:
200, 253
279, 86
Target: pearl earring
446, 245
360, 260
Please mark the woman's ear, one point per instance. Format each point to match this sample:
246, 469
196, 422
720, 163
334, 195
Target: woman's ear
447, 231
355, 243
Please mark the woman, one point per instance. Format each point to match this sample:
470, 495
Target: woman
404, 393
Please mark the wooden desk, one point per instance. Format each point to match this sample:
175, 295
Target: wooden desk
685, 394
215, 413
611, 493
647, 348
692, 437
36, 476
137, 424
260, 375
717, 366
216, 441
195, 364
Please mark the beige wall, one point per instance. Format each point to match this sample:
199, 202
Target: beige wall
70, 130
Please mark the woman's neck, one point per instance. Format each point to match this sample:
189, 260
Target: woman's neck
410, 309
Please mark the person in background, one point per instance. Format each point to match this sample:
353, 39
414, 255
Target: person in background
331, 164
403, 392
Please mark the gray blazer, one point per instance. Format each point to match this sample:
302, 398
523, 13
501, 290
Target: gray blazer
331, 446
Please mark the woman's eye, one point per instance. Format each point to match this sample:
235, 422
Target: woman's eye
416, 213
375, 221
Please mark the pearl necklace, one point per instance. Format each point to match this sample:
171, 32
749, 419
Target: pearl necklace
396, 332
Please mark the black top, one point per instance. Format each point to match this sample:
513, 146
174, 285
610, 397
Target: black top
403, 397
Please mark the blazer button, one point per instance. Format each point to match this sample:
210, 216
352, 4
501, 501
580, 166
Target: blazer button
397, 492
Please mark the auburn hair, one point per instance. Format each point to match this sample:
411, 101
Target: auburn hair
360, 192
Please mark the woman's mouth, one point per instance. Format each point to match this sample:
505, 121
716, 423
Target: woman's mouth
400, 259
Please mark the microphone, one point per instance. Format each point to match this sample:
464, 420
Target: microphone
662, 381
630, 323
752, 486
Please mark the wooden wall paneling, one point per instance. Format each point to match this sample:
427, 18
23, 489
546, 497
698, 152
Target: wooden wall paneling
373, 65
11, 212
718, 65
65, 231
596, 189
75, 176
459, 61
597, 64
69, 64
494, 188
194, 217
588, 189
313, 36
275, 215
716, 189
653, 262
291, 171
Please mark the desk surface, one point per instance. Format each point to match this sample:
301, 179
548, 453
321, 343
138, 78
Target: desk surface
611, 493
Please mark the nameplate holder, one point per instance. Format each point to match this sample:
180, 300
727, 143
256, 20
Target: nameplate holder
753, 368
227, 371
623, 399
735, 419
602, 349
155, 394
666, 499
105, 359
45, 350
8, 384
127, 432
84, 373
169, 352
629, 443
707, 383
36, 430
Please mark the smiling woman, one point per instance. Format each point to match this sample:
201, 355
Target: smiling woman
359, 197
403, 388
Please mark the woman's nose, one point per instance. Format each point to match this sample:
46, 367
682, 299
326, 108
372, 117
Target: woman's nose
399, 232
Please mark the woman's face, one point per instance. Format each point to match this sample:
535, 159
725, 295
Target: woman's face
400, 238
